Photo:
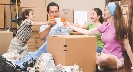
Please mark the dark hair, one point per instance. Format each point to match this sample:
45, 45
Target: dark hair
130, 16
52, 4
25, 13
99, 13
119, 23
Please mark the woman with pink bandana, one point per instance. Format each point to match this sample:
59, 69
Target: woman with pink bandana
114, 33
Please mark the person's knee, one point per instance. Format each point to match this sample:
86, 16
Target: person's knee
102, 59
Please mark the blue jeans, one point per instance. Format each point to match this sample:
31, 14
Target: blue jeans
99, 50
35, 55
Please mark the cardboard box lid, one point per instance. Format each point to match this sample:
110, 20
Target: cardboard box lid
5, 32
71, 36
70, 49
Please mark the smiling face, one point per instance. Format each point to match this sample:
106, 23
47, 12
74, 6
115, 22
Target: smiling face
53, 11
94, 17
31, 15
107, 13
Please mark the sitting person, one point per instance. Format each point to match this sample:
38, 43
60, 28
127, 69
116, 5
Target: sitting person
96, 17
19, 42
114, 33
45, 30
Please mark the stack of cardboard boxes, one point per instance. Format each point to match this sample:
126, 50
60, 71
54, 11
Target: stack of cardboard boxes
5, 23
5, 14
70, 49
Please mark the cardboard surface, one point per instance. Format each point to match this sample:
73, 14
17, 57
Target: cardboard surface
66, 13
32, 3
4, 1
36, 28
5, 39
1, 16
34, 42
70, 49
8, 15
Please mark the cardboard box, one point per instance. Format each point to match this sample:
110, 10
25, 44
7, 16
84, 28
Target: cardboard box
8, 16
4, 1
33, 3
34, 42
5, 39
35, 28
40, 16
67, 13
70, 49
1, 16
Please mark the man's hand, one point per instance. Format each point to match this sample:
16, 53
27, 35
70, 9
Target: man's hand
51, 22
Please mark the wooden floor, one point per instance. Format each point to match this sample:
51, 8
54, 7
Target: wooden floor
126, 68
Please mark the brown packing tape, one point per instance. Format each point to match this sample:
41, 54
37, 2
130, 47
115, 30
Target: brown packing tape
65, 45
65, 50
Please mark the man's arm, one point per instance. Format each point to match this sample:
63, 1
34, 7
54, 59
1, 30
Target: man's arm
44, 33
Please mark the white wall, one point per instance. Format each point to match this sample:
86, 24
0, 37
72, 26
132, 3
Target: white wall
80, 5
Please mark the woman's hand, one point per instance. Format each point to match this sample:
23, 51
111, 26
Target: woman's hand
67, 24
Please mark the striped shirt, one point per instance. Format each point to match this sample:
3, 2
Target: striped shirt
24, 31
